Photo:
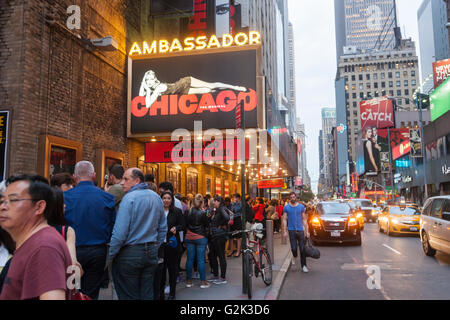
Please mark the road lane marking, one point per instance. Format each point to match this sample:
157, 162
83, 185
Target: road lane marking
397, 252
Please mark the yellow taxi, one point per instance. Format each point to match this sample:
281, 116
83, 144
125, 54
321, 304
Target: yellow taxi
399, 219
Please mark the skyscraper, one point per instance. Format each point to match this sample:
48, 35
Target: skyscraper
365, 25
434, 46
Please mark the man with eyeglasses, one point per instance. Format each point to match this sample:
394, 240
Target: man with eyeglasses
41, 259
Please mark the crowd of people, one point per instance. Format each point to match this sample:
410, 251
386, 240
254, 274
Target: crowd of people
132, 230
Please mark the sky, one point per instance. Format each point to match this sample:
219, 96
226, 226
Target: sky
315, 63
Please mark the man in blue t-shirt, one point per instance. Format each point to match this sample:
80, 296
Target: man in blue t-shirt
295, 220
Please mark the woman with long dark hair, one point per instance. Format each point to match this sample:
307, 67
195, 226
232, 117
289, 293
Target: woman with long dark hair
57, 220
196, 241
172, 248
219, 236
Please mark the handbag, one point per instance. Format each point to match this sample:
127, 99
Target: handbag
310, 250
78, 295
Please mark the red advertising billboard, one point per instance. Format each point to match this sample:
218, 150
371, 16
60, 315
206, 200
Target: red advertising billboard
268, 184
400, 143
441, 71
377, 112
194, 151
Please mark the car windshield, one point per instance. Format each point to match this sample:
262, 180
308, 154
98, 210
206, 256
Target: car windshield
333, 208
360, 203
404, 211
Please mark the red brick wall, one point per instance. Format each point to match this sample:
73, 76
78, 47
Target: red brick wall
55, 86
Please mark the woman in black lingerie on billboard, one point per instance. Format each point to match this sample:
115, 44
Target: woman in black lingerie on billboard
152, 88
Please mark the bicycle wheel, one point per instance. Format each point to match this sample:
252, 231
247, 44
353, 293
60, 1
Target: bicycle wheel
248, 271
266, 266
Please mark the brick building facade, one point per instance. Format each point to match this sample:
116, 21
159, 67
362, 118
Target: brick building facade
62, 93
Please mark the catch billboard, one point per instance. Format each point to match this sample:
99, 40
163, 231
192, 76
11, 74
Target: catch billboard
373, 151
171, 92
377, 112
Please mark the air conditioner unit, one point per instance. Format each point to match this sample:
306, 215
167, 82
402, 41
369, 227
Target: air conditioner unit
107, 43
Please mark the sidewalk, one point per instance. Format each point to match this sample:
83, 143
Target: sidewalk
233, 289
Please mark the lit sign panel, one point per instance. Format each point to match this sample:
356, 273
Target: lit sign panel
195, 43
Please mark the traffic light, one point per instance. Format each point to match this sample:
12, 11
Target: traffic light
424, 99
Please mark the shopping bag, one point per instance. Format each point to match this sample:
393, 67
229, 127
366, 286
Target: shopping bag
311, 251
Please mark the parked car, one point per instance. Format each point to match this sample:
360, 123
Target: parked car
334, 222
396, 219
435, 225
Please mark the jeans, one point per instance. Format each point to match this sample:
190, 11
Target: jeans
133, 271
218, 252
298, 237
93, 261
196, 247
171, 265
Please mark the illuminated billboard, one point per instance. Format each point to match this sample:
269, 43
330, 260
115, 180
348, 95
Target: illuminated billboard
441, 71
440, 100
377, 112
171, 91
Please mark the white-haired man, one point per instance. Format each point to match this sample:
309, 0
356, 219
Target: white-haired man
90, 211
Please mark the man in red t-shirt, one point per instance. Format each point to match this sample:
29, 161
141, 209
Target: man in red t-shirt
41, 260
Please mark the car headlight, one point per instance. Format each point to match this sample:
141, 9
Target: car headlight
315, 222
395, 221
352, 222
359, 215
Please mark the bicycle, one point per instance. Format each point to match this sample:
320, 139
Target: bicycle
256, 256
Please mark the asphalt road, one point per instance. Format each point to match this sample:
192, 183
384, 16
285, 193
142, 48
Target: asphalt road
341, 272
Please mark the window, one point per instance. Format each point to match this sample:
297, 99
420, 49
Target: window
398, 83
397, 74
413, 73
360, 77
375, 85
390, 75
447, 143
354, 104
436, 208
446, 210
391, 92
355, 122
361, 95
413, 83
383, 84
368, 85
361, 87
405, 83
405, 73
353, 78
406, 92
375, 76
407, 101
367, 76
391, 84
399, 93
382, 75
354, 95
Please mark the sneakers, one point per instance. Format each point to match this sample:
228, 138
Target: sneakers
205, 286
213, 279
189, 285
167, 290
305, 269
221, 281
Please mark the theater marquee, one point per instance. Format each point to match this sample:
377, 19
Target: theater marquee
171, 88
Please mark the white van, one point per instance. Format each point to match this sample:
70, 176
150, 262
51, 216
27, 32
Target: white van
435, 225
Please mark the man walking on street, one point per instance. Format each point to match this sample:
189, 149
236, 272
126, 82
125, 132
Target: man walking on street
90, 212
295, 220
140, 229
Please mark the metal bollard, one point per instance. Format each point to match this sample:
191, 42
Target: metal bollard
269, 238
